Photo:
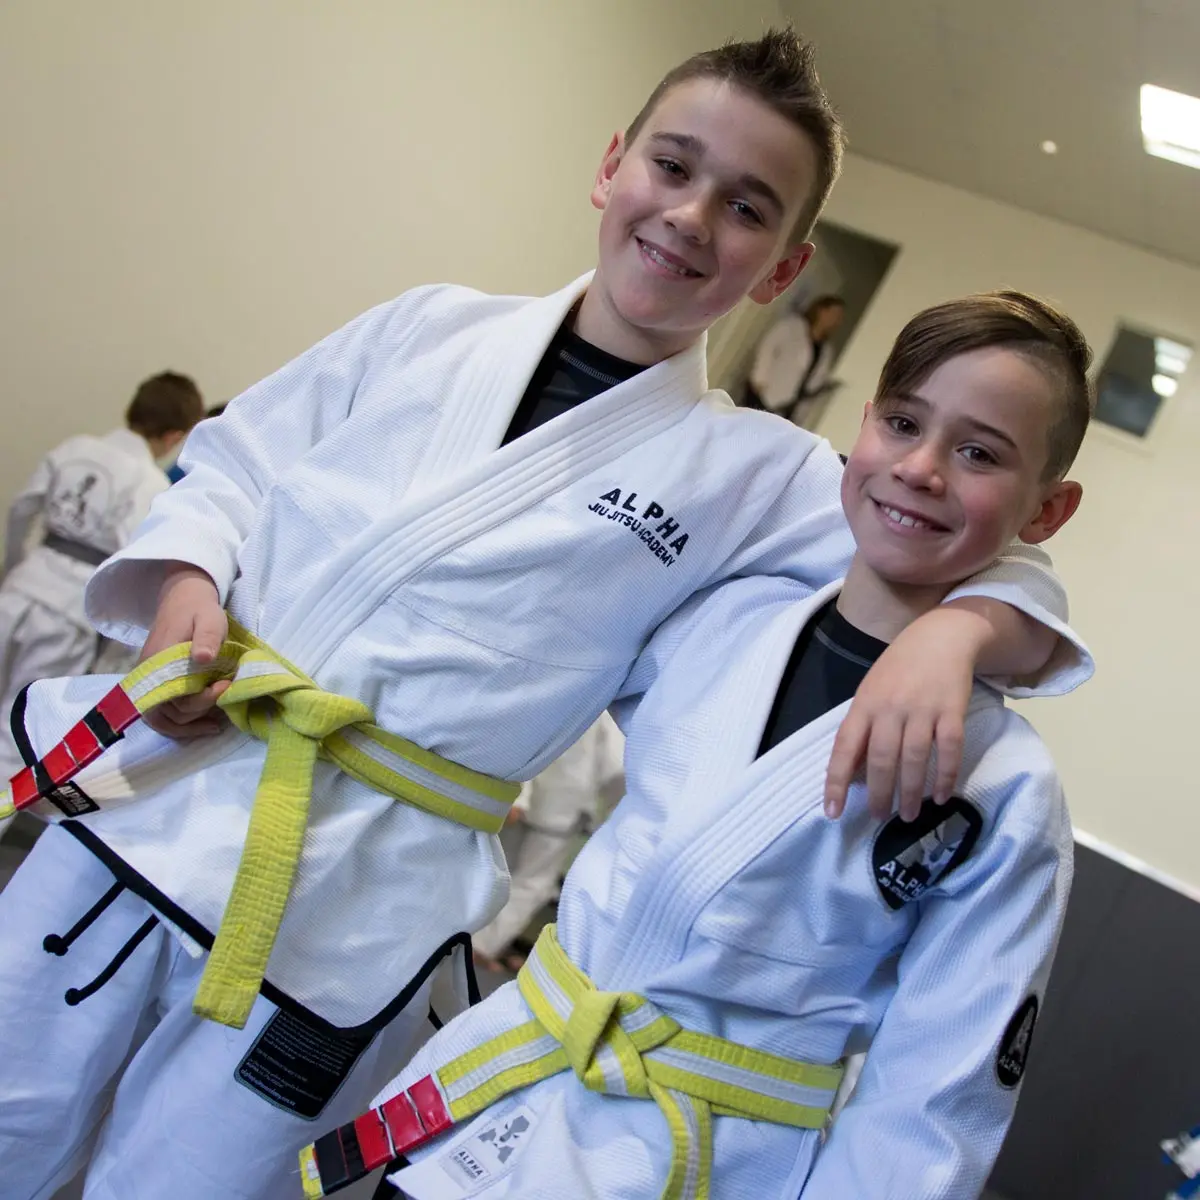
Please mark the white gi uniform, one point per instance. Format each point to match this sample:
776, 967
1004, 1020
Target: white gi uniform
782, 360
84, 501
720, 891
484, 601
564, 800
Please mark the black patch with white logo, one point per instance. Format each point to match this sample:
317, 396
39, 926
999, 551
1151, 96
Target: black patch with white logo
71, 800
911, 856
1013, 1054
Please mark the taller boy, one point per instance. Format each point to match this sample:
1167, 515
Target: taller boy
560, 481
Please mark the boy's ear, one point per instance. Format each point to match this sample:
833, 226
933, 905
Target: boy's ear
866, 411
608, 168
783, 275
1057, 508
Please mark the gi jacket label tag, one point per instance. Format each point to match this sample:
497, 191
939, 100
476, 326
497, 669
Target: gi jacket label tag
911, 856
487, 1151
298, 1064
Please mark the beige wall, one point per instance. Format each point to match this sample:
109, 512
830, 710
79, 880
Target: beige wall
212, 187
1131, 557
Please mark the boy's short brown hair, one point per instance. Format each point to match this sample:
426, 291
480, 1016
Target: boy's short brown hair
165, 403
1013, 319
779, 70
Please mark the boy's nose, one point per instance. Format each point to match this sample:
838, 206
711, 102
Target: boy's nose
921, 470
690, 220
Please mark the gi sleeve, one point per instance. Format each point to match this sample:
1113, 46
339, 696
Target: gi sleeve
940, 1084
1024, 578
23, 512
232, 462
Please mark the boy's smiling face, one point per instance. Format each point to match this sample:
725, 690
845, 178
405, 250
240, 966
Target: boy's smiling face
940, 481
697, 213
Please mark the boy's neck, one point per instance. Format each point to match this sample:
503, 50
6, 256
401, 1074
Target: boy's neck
878, 607
596, 321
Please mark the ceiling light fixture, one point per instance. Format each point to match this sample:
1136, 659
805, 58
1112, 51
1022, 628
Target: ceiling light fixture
1171, 125
1049, 147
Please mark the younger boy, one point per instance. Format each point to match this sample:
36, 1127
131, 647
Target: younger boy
556, 480
84, 501
720, 945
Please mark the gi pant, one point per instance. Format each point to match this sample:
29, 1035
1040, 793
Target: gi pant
127, 1073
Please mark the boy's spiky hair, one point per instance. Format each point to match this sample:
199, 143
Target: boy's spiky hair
777, 68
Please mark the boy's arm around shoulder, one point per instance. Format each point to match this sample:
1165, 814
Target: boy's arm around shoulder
233, 460
942, 1076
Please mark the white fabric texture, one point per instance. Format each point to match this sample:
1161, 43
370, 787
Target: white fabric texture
719, 890
562, 801
782, 359
132, 1063
485, 602
90, 490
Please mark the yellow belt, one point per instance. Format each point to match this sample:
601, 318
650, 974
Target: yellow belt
619, 1044
277, 703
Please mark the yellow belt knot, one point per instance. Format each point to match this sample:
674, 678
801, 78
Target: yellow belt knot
299, 721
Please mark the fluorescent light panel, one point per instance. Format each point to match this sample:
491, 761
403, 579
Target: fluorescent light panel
1171, 125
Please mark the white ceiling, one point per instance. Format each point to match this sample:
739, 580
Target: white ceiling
965, 92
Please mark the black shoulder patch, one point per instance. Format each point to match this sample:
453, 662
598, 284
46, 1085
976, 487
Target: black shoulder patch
911, 856
1015, 1044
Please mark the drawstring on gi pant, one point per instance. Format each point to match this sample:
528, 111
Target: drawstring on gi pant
59, 944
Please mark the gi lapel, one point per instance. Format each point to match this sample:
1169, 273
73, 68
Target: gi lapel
760, 799
491, 488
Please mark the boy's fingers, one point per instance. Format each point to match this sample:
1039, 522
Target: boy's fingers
914, 765
208, 632
848, 749
883, 753
949, 758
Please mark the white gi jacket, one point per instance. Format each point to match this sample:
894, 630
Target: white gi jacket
92, 492
782, 360
358, 513
720, 891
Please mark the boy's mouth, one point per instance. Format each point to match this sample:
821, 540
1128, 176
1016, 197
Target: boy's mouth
906, 519
665, 261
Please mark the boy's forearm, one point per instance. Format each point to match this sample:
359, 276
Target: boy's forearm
1007, 642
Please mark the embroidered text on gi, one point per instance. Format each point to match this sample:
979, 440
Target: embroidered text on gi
641, 520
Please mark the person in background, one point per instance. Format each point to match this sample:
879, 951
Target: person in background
83, 503
793, 360
566, 799
174, 471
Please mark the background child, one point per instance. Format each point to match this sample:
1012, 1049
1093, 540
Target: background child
82, 504
719, 897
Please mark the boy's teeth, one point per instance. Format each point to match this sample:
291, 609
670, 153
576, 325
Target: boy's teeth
904, 519
662, 262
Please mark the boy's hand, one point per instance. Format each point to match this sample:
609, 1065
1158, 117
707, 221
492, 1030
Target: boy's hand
189, 610
914, 699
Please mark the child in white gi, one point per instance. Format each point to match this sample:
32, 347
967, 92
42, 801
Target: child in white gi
721, 946
552, 478
83, 502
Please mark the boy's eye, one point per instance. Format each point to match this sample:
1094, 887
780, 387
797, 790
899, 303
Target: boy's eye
899, 423
671, 167
979, 456
746, 212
